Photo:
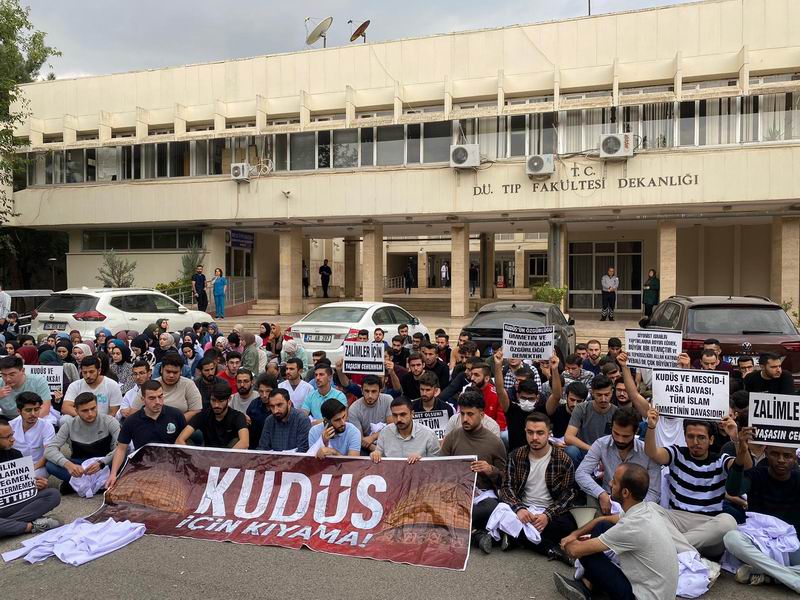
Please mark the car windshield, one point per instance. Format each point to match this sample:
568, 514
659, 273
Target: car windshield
739, 320
68, 303
495, 320
335, 314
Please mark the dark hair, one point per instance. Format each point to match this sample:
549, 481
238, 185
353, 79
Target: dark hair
233, 339
711, 428
151, 385
211, 354
363, 332
744, 359
626, 417
740, 400
581, 347
398, 338
331, 407
91, 361
427, 346
537, 417
295, 361
609, 367
205, 361
439, 332
412, 356
443, 335
579, 389
465, 334
12, 362
84, 398
468, 349
709, 341
635, 479
429, 379
282, 393
142, 363
268, 380
323, 365
614, 342
483, 367
528, 386
244, 371
4, 421
402, 326
600, 382
769, 356
708, 352
221, 391
524, 372
171, 359
402, 401
28, 398
233, 354
573, 359
471, 398
371, 380
418, 336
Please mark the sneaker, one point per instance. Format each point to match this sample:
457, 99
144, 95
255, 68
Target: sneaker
743, 573
570, 589
484, 542
602, 318
43, 524
558, 554
504, 543
610, 318
760, 579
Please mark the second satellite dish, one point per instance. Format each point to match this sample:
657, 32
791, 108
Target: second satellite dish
320, 32
361, 31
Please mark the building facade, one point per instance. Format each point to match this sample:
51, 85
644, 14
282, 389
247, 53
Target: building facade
349, 152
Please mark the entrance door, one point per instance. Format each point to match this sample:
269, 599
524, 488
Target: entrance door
589, 261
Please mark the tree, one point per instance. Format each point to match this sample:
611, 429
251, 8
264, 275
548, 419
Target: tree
23, 52
195, 255
116, 271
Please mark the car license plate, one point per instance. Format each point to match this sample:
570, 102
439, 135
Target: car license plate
733, 360
57, 325
318, 338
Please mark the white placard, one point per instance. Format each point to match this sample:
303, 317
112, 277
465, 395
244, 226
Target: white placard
531, 343
435, 419
17, 481
690, 394
363, 358
54, 374
653, 348
776, 419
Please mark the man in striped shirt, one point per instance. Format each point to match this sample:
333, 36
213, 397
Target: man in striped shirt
696, 483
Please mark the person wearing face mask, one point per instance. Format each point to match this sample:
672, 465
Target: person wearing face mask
610, 451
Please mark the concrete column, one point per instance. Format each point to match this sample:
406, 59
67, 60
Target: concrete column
372, 264
459, 271
291, 271
350, 262
422, 270
737, 260
520, 281
785, 273
701, 260
487, 280
555, 253
667, 258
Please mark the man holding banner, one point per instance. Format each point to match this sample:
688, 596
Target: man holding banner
772, 488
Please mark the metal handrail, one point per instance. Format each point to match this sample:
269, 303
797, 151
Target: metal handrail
394, 282
240, 289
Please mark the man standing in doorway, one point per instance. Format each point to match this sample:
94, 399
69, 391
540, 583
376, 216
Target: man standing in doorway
306, 279
445, 273
609, 283
199, 289
473, 278
325, 277
408, 278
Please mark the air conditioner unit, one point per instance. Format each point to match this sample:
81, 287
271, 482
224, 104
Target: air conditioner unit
540, 164
465, 156
616, 146
240, 172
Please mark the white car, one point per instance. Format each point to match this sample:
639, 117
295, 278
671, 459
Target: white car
116, 309
330, 325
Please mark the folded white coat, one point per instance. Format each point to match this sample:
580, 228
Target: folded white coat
87, 486
79, 542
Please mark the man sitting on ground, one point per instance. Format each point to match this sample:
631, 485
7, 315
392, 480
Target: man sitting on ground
27, 516
590, 420
324, 392
405, 437
179, 392
32, 434
245, 394
286, 428
339, 438
770, 378
221, 426
89, 435
294, 384
370, 413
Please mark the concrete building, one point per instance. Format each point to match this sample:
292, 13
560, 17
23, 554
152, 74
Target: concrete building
350, 147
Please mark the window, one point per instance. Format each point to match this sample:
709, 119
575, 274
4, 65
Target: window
141, 239
106, 167
178, 159
200, 153
54, 167
94, 240
399, 316
323, 149
382, 316
367, 147
301, 151
437, 138
281, 150
165, 238
134, 303
717, 123
117, 240
780, 117
589, 261
345, 148
686, 124
657, 125
74, 163
163, 304
216, 152
516, 135
391, 145
491, 137
413, 146
542, 133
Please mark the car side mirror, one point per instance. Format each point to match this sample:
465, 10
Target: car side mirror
414, 321
570, 321
183, 310
644, 322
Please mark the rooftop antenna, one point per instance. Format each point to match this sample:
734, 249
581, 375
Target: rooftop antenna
360, 32
320, 31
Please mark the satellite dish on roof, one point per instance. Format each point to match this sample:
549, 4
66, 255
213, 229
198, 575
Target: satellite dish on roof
361, 31
319, 32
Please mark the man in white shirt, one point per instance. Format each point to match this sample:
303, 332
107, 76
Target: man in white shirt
142, 372
294, 384
105, 390
32, 434
5, 305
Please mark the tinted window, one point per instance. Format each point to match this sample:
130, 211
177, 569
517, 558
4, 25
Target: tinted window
68, 303
335, 314
495, 320
738, 320
399, 315
163, 305
383, 316
138, 303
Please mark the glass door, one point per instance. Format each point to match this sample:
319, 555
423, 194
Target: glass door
589, 261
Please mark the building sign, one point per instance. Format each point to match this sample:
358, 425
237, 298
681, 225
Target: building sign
691, 394
416, 514
241, 239
582, 178
775, 419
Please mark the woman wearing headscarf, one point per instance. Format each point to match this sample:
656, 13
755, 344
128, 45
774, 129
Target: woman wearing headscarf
292, 350
75, 337
221, 344
121, 365
11, 347
275, 341
79, 352
165, 343
235, 342
263, 333
189, 337
29, 354
92, 348
250, 354
162, 326
140, 347
63, 352
190, 359
101, 335
51, 358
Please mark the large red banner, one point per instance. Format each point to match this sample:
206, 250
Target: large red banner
418, 514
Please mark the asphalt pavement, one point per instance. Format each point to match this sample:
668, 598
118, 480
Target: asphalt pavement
162, 568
